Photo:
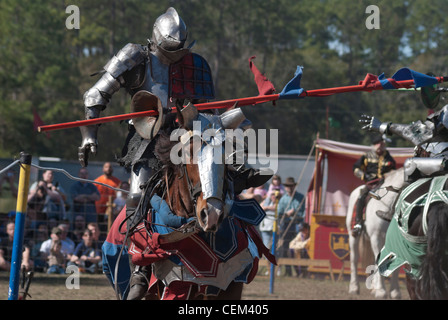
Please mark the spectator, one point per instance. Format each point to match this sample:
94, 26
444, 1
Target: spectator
289, 203
6, 244
8, 192
301, 243
120, 200
45, 248
96, 233
84, 196
276, 185
66, 240
79, 225
267, 224
36, 205
55, 196
87, 256
300, 246
105, 192
56, 259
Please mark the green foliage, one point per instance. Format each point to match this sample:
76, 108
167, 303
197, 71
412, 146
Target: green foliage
46, 67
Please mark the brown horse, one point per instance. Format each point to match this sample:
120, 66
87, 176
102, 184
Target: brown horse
207, 260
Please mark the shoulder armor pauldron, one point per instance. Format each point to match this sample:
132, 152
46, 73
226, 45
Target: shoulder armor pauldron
127, 58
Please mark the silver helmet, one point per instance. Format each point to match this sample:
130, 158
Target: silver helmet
168, 36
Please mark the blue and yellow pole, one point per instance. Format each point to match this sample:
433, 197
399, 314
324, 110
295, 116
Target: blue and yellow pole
17, 245
274, 241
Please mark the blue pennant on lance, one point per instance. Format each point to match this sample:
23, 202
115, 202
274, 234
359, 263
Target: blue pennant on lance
292, 90
420, 79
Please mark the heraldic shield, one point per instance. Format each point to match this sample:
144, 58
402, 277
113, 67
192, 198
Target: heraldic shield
339, 245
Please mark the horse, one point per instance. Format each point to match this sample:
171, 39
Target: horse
212, 248
418, 240
374, 230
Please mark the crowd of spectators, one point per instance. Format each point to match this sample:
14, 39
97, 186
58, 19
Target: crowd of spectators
58, 232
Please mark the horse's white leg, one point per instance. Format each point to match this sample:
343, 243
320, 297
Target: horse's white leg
378, 282
354, 256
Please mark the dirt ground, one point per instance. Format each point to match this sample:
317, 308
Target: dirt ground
96, 287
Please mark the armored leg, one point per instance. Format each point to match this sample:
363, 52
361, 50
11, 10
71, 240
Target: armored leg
139, 175
141, 274
139, 282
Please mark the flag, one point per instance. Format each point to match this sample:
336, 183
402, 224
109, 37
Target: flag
420, 79
292, 90
37, 122
265, 86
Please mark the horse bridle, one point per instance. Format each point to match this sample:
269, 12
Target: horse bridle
194, 191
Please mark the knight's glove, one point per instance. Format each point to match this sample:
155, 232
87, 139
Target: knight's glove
89, 143
89, 134
373, 124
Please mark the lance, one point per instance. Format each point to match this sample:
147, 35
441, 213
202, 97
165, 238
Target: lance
403, 79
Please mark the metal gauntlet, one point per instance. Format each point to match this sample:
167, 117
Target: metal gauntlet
89, 135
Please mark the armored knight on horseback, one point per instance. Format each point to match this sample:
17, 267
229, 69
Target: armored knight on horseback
416, 236
431, 144
430, 139
161, 75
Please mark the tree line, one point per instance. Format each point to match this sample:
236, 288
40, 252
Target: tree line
46, 67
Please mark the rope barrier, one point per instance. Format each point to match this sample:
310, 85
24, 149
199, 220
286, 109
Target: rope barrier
65, 173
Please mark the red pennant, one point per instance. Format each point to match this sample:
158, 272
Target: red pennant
265, 87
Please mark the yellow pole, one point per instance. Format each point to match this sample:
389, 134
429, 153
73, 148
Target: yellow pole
17, 246
274, 243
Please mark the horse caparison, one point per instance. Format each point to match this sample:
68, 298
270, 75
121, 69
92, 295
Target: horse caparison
433, 281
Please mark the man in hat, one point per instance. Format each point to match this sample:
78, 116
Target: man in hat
370, 168
290, 214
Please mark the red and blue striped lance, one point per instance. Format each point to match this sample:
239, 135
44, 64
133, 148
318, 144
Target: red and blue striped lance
403, 78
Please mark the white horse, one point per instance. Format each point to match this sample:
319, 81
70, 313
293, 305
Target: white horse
374, 230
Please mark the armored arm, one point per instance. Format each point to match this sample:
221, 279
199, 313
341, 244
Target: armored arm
417, 132
415, 168
97, 97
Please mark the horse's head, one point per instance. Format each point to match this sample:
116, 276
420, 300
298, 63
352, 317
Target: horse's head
200, 153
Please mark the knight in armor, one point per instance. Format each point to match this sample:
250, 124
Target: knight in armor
158, 76
431, 144
370, 168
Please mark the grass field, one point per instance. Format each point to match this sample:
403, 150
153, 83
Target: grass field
97, 287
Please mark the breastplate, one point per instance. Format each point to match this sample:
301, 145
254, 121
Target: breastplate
157, 80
